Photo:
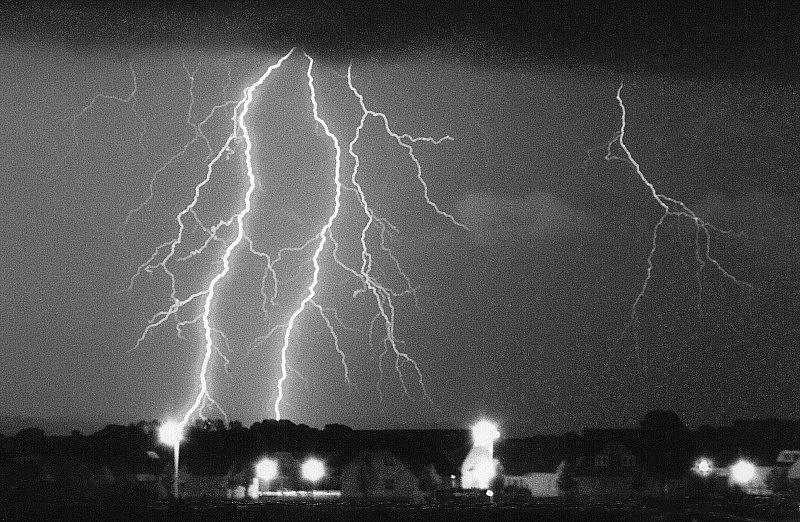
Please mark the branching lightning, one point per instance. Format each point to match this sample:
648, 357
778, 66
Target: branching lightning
130, 100
703, 231
192, 308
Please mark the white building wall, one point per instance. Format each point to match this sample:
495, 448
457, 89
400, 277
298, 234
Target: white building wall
478, 468
539, 484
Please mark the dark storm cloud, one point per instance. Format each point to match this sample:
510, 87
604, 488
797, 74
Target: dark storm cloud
687, 38
519, 330
508, 219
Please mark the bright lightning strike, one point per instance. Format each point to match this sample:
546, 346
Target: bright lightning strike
671, 208
323, 234
383, 294
238, 134
231, 234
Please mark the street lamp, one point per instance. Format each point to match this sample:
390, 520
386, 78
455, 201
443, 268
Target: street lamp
743, 472
170, 434
313, 470
267, 470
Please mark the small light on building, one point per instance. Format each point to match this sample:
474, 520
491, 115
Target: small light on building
703, 467
743, 472
489, 493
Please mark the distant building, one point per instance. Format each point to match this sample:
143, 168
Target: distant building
539, 484
609, 452
378, 475
480, 466
538, 464
608, 463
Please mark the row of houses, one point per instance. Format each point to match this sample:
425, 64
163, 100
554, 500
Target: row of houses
651, 460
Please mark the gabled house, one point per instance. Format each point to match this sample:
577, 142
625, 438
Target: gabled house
537, 464
378, 475
609, 463
609, 452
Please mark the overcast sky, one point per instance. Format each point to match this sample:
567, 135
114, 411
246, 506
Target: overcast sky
517, 317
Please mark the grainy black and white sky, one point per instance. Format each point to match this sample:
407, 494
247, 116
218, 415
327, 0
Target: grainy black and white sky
517, 317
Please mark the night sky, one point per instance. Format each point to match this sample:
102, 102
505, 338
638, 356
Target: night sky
518, 318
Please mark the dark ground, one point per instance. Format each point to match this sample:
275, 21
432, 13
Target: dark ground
543, 509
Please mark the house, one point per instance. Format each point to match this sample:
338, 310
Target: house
539, 484
609, 452
210, 480
537, 464
378, 475
609, 463
784, 476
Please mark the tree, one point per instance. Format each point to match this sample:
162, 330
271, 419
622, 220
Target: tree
665, 444
566, 482
430, 480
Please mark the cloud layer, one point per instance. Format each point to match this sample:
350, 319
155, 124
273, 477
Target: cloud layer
538, 215
770, 224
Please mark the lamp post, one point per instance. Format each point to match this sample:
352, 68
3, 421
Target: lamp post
313, 470
266, 470
743, 472
171, 434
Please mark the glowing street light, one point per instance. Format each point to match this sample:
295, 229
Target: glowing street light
313, 470
703, 466
743, 472
267, 470
170, 434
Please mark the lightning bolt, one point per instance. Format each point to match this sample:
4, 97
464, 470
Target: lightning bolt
323, 234
166, 252
384, 295
198, 136
130, 100
671, 207
193, 307
240, 111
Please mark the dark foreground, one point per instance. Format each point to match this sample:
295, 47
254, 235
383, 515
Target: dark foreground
536, 510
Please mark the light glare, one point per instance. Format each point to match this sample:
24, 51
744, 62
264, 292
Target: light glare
484, 472
313, 469
743, 472
484, 433
170, 433
703, 467
267, 469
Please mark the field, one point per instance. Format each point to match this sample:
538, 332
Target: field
535, 510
